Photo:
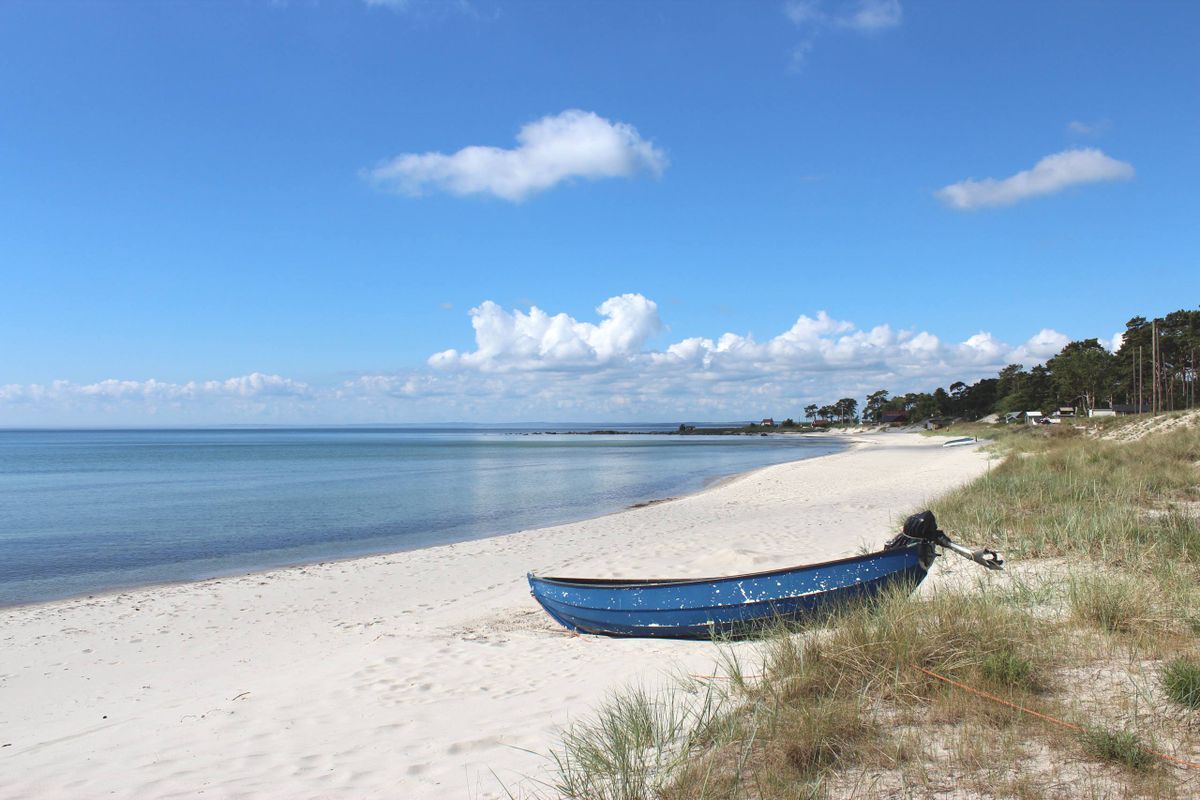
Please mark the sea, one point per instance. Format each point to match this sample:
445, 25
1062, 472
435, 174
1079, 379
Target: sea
85, 511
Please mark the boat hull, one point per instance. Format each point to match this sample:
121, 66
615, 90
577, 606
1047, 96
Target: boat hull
703, 608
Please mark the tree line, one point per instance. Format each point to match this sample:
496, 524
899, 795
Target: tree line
1153, 370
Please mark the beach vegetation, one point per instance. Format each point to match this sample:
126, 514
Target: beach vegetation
637, 743
1085, 376
1120, 747
1115, 603
1082, 377
1008, 684
1181, 680
873, 407
1009, 669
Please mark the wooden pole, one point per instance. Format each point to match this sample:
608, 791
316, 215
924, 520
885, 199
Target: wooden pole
1157, 371
1153, 368
1162, 378
1153, 364
1132, 378
1189, 388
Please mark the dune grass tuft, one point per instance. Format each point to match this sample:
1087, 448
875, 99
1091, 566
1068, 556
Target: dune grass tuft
1118, 747
1115, 603
814, 736
637, 742
1009, 669
1181, 680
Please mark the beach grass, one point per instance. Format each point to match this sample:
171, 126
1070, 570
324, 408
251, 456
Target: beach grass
1096, 624
1120, 747
637, 742
1181, 680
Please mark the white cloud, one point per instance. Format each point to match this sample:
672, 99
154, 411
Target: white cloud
114, 401
536, 340
256, 384
734, 375
537, 365
524, 355
1049, 175
1042, 345
553, 149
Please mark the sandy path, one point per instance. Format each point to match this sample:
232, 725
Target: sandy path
405, 676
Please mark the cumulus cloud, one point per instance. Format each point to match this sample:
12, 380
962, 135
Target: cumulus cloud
553, 149
801, 357
818, 345
538, 365
514, 339
1042, 345
1052, 174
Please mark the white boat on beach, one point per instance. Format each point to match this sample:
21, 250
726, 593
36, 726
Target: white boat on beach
960, 441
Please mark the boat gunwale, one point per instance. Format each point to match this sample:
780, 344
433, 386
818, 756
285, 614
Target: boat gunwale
642, 583
917, 572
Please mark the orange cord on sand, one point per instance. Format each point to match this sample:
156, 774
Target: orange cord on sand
989, 696
1047, 717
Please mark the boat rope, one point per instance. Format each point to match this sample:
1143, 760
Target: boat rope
1055, 720
996, 699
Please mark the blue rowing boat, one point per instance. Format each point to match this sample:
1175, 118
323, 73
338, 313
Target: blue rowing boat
699, 608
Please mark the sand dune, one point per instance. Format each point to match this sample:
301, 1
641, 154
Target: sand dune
414, 675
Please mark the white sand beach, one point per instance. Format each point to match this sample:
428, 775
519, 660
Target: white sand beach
424, 674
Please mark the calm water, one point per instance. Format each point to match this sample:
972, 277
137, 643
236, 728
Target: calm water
82, 511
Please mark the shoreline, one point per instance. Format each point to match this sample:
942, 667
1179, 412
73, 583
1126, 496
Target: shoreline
425, 674
707, 484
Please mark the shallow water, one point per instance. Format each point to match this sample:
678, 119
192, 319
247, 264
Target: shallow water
83, 511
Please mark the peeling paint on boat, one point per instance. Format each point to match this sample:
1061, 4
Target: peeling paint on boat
697, 608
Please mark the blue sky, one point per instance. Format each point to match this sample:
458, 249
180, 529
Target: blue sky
263, 211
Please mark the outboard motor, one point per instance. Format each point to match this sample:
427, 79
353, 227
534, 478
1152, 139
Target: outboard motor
923, 528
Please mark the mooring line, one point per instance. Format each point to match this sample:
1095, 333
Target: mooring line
1061, 722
